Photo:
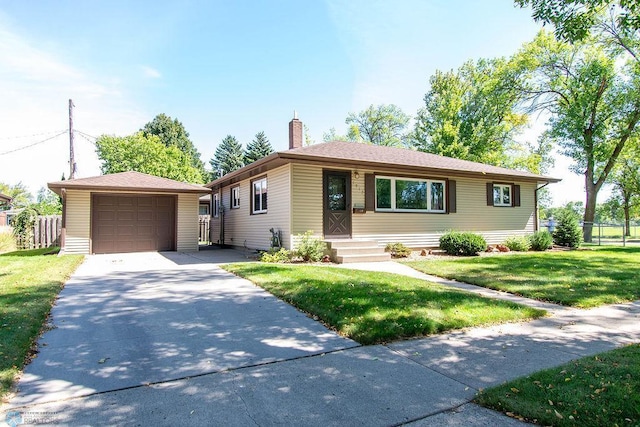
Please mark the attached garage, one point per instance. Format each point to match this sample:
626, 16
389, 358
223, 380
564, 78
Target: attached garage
128, 212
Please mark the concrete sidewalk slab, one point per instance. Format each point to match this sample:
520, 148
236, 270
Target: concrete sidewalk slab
370, 386
116, 325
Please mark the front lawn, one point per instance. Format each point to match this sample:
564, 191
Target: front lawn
372, 307
29, 284
594, 391
584, 278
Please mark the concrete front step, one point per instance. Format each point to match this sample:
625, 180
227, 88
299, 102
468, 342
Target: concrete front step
350, 243
345, 259
357, 250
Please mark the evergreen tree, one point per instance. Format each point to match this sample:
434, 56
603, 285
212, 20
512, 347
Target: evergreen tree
228, 157
567, 232
258, 148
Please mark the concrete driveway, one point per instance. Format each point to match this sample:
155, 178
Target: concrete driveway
132, 319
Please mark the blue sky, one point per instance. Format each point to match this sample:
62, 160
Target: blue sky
232, 67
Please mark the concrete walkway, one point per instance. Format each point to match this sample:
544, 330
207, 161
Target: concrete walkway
260, 362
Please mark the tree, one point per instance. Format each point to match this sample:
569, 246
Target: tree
258, 148
473, 114
228, 157
567, 232
353, 135
575, 20
172, 133
381, 125
146, 154
47, 203
594, 105
626, 179
21, 197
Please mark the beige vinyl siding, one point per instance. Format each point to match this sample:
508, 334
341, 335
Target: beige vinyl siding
187, 223
78, 222
241, 228
473, 214
306, 199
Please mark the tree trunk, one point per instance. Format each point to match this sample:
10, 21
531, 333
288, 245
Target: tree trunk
627, 223
589, 210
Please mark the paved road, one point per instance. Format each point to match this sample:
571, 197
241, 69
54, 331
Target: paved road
171, 339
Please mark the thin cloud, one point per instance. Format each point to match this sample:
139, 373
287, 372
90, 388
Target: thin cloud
150, 72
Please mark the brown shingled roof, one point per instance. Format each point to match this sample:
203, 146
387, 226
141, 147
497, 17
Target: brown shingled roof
352, 154
128, 181
5, 197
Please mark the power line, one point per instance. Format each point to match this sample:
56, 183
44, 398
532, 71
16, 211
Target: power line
86, 137
32, 135
34, 144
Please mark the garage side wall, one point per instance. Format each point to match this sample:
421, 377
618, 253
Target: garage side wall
78, 223
187, 222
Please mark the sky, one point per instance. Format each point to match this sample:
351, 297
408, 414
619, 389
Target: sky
229, 68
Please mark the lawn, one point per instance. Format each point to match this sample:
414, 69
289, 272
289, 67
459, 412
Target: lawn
371, 307
584, 278
29, 284
598, 390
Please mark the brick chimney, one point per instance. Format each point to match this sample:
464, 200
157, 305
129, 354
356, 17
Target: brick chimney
295, 132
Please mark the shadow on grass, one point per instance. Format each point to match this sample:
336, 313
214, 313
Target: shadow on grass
31, 252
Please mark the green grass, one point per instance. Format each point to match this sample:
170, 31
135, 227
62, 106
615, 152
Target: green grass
29, 283
598, 390
374, 307
590, 278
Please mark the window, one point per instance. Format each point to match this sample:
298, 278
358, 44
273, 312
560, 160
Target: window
235, 197
501, 195
216, 205
409, 195
259, 196
203, 210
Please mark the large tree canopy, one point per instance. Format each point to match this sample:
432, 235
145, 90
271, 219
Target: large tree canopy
575, 20
473, 114
172, 133
228, 157
626, 180
379, 125
594, 102
146, 154
258, 148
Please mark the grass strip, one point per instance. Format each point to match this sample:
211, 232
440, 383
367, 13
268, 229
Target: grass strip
29, 283
584, 279
594, 391
372, 307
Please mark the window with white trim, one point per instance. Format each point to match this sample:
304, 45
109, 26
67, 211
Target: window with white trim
409, 195
235, 197
501, 195
216, 205
259, 196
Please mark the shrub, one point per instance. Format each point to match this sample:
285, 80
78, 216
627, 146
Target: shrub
7, 242
518, 243
567, 232
398, 250
276, 256
541, 240
462, 243
310, 249
23, 227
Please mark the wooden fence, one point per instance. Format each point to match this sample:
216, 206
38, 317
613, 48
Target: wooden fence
203, 229
45, 233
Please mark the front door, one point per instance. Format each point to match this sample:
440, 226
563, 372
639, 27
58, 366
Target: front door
337, 204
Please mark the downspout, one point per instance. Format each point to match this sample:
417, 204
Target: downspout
536, 225
63, 230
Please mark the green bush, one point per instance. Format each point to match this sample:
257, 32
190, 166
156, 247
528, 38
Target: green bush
7, 242
23, 227
276, 256
518, 243
541, 240
567, 232
310, 249
398, 250
462, 243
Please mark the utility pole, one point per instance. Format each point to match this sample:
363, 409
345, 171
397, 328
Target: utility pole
72, 160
